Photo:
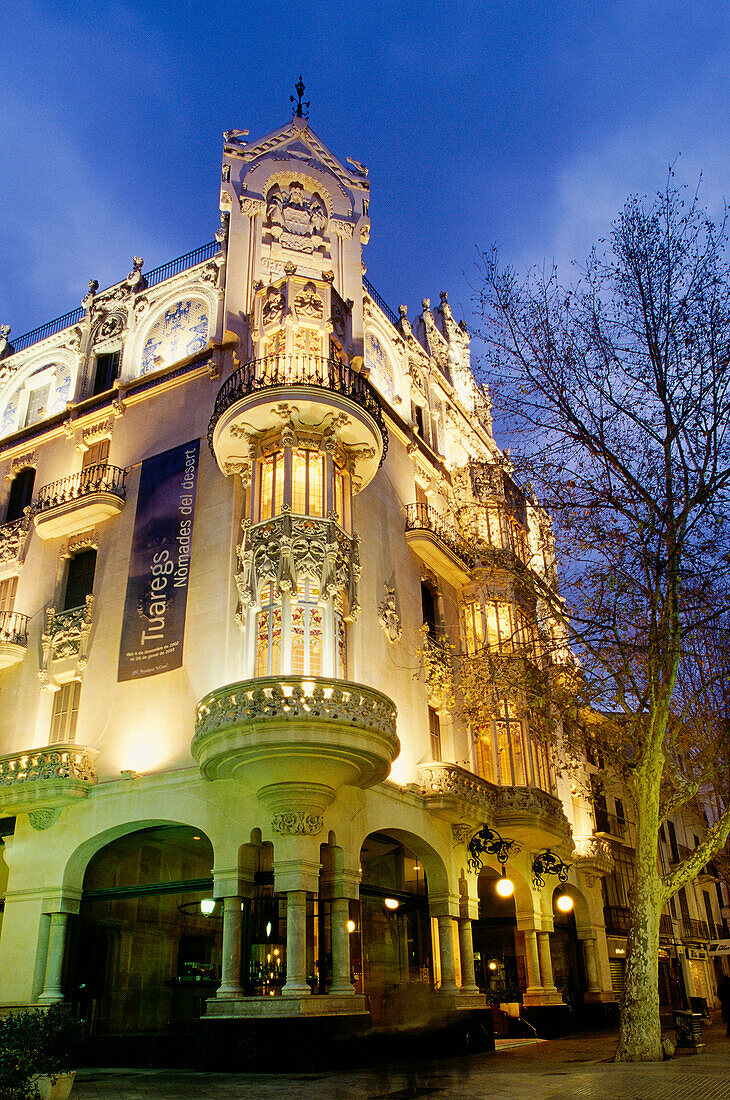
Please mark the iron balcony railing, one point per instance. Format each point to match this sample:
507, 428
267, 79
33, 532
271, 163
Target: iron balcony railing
152, 278
694, 929
617, 918
666, 927
13, 628
609, 823
312, 371
422, 517
380, 302
99, 478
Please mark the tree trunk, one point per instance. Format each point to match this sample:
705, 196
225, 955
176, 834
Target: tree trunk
640, 1037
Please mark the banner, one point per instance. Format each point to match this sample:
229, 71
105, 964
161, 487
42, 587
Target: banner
153, 629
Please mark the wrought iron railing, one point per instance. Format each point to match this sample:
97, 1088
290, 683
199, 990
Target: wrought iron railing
666, 927
422, 517
609, 823
380, 302
13, 628
694, 929
312, 371
99, 478
152, 278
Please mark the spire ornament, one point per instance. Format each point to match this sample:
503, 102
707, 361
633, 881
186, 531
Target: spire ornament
300, 108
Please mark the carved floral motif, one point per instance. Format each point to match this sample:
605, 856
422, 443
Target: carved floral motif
388, 616
53, 762
66, 636
12, 539
297, 823
286, 549
592, 853
295, 698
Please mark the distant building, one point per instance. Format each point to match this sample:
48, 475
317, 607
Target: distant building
234, 499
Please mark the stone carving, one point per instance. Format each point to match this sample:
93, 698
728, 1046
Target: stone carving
286, 697
308, 303
251, 207
22, 462
297, 823
273, 307
592, 853
286, 549
136, 280
296, 217
388, 616
53, 762
341, 229
66, 636
43, 819
13, 538
88, 300
6, 348
478, 794
112, 324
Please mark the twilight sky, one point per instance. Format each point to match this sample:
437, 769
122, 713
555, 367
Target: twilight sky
507, 122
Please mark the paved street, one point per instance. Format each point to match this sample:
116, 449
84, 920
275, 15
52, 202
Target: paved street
575, 1068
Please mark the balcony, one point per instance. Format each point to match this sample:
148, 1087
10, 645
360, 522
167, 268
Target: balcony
315, 393
526, 814
608, 824
13, 536
592, 854
46, 779
694, 931
296, 741
666, 926
13, 638
438, 544
78, 502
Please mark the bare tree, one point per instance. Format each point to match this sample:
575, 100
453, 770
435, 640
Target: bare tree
618, 391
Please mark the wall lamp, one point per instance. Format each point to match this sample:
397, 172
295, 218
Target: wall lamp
548, 863
488, 842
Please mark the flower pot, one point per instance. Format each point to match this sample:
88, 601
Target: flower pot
57, 1087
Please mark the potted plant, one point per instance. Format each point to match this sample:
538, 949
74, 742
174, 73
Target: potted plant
38, 1052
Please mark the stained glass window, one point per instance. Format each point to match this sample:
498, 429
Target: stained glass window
307, 482
268, 635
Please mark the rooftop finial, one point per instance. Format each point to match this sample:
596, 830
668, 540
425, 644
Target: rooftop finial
299, 109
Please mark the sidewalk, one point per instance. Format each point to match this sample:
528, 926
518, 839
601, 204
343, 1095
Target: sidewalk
573, 1068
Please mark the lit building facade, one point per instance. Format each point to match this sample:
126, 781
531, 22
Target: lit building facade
241, 499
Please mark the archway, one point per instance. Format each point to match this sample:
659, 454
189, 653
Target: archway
145, 951
391, 946
565, 947
498, 953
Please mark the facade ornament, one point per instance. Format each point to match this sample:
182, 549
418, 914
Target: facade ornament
221, 234
461, 833
251, 207
65, 637
110, 325
308, 303
88, 300
272, 310
226, 173
388, 616
209, 274
13, 537
136, 280
140, 306
359, 168
342, 229
68, 428
43, 819
117, 407
297, 823
22, 462
290, 268
296, 216
6, 348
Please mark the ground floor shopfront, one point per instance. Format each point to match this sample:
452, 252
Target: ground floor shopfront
170, 907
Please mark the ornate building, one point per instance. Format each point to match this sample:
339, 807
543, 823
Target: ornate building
247, 510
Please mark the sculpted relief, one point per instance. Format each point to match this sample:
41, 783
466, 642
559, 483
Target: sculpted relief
296, 217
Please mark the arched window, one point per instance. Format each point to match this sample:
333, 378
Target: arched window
181, 330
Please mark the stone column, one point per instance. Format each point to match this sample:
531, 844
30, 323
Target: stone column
546, 962
54, 959
532, 961
231, 950
446, 952
589, 955
466, 950
340, 947
296, 944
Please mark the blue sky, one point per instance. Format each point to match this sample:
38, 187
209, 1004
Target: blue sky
518, 124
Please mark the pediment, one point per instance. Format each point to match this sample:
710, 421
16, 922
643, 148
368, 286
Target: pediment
296, 142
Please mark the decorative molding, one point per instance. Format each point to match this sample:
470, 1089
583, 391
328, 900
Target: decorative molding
388, 616
592, 854
294, 698
284, 550
43, 819
251, 207
13, 537
86, 540
297, 823
22, 462
52, 762
344, 230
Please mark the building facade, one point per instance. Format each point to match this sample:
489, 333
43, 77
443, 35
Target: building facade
243, 505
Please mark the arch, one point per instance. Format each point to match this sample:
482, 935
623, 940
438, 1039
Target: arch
61, 365
178, 324
78, 861
434, 863
380, 359
581, 909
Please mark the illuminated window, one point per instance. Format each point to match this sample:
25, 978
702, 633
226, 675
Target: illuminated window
268, 635
306, 631
483, 752
343, 499
37, 404
8, 588
307, 483
307, 342
509, 732
434, 731
271, 485
65, 713
276, 343
473, 627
